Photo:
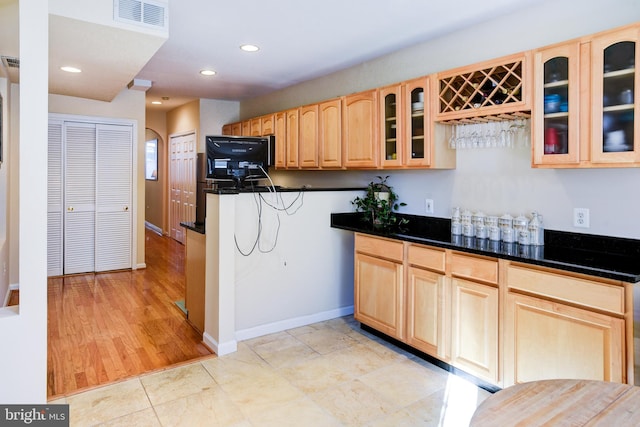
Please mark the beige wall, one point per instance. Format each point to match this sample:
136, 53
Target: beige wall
493, 181
183, 119
129, 104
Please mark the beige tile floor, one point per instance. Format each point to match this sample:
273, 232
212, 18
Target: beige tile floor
327, 374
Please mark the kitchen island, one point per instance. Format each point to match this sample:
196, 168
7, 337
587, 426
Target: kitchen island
503, 313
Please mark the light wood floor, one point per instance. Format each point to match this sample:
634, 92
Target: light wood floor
109, 326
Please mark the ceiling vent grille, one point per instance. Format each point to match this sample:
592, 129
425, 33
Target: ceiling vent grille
143, 12
10, 62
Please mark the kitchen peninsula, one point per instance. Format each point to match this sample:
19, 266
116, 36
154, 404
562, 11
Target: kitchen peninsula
504, 313
273, 262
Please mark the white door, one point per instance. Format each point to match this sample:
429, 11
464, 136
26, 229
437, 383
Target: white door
182, 183
79, 197
54, 200
113, 197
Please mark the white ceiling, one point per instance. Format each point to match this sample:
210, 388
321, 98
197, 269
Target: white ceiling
299, 40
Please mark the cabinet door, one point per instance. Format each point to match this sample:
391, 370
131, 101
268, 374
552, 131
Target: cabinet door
359, 130
615, 90
227, 129
330, 134
246, 128
79, 197
255, 127
292, 137
267, 127
474, 341
379, 294
391, 126
195, 262
556, 105
425, 311
417, 127
236, 129
548, 340
281, 139
308, 143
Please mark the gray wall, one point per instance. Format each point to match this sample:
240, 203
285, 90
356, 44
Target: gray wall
493, 180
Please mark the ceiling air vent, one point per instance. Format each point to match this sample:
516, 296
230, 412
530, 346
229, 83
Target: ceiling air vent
143, 12
10, 62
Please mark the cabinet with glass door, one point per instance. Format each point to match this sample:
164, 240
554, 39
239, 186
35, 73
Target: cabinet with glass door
391, 125
614, 91
556, 105
417, 144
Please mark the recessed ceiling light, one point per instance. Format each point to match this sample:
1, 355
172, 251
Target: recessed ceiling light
156, 102
249, 48
71, 69
207, 72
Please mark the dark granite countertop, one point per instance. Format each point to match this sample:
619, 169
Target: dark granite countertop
601, 256
198, 228
278, 188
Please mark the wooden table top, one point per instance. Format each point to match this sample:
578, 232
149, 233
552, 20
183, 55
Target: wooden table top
561, 403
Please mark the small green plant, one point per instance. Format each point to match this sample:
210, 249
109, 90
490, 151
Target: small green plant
379, 204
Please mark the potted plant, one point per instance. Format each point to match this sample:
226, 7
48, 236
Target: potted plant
379, 204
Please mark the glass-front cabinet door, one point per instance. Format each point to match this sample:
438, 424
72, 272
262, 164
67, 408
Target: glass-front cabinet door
391, 126
556, 105
614, 59
417, 130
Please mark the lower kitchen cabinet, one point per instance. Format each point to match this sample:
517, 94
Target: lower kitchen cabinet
425, 311
379, 291
549, 340
195, 262
474, 332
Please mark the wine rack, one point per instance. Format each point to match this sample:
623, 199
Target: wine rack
497, 90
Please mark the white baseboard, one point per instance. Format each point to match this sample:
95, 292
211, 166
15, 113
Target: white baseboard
141, 265
283, 325
219, 349
152, 227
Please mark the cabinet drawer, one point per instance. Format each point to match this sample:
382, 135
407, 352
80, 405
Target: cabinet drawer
421, 256
383, 248
474, 268
574, 290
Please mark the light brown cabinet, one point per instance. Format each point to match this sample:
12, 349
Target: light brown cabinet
559, 326
391, 125
308, 140
255, 126
292, 135
195, 283
360, 129
267, 125
227, 129
379, 284
585, 98
475, 338
330, 133
426, 300
246, 128
280, 131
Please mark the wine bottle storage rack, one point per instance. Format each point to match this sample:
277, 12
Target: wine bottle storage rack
493, 92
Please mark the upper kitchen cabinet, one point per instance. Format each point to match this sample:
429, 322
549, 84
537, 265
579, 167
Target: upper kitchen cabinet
391, 125
280, 131
330, 133
292, 136
308, 142
499, 89
227, 129
615, 89
255, 126
360, 129
267, 125
246, 128
556, 106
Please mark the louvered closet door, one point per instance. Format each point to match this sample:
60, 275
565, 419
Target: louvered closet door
54, 200
113, 201
79, 197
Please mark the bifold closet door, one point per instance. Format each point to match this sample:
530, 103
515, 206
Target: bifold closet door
55, 202
113, 197
79, 148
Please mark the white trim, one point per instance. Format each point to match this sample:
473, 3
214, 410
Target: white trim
220, 349
295, 322
12, 287
140, 265
153, 227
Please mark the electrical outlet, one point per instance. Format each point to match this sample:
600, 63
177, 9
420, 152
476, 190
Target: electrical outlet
581, 217
428, 206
